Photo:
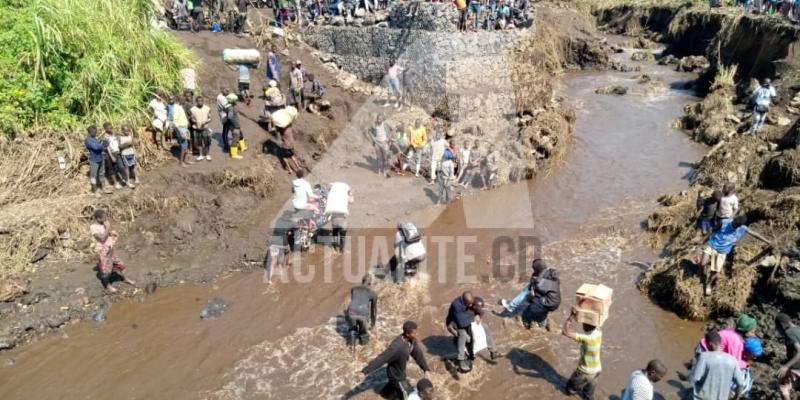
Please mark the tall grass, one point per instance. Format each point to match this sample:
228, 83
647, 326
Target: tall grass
71, 62
725, 76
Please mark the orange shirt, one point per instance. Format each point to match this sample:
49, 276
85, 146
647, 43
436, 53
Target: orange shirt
461, 4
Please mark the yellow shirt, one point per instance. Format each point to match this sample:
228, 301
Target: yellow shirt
461, 4
589, 362
179, 117
271, 91
418, 137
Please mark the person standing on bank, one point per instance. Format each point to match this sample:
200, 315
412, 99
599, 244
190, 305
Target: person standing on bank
380, 139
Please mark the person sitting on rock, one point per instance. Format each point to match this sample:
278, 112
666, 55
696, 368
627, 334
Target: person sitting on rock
763, 100
720, 244
313, 90
108, 263
539, 298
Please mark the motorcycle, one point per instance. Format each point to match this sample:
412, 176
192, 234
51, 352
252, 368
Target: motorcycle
306, 223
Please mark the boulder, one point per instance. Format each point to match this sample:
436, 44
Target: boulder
642, 56
612, 89
692, 64
11, 289
360, 13
7, 342
668, 60
337, 21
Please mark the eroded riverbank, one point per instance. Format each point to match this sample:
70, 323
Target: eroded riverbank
282, 341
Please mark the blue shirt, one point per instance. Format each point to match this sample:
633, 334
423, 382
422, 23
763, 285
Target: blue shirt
95, 147
273, 70
723, 239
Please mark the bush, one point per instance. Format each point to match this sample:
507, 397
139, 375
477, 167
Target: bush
65, 63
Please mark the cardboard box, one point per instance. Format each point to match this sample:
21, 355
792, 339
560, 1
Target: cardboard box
593, 303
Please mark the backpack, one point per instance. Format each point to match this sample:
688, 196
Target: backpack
410, 232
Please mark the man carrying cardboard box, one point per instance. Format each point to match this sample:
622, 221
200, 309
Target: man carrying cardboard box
584, 380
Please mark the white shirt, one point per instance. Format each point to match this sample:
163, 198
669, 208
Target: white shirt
222, 104
113, 143
464, 155
414, 395
187, 74
301, 190
159, 109
764, 95
409, 251
394, 71
639, 387
437, 149
728, 206
338, 198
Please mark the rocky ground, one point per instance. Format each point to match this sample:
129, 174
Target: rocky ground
724, 45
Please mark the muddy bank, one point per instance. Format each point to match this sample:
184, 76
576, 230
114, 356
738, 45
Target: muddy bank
181, 225
758, 279
761, 46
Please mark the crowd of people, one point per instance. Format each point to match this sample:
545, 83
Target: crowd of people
722, 226
409, 148
789, 8
231, 15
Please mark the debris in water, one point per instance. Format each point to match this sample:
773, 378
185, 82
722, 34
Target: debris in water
215, 308
99, 315
150, 288
612, 89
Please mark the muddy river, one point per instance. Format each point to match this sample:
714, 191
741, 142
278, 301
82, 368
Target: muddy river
284, 340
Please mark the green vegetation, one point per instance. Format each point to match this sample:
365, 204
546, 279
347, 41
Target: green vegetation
64, 63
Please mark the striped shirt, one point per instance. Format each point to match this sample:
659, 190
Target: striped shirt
590, 352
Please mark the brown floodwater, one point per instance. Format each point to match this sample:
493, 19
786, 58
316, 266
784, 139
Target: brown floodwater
284, 340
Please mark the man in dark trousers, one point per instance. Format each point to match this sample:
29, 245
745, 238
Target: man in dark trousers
363, 310
396, 357
459, 322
